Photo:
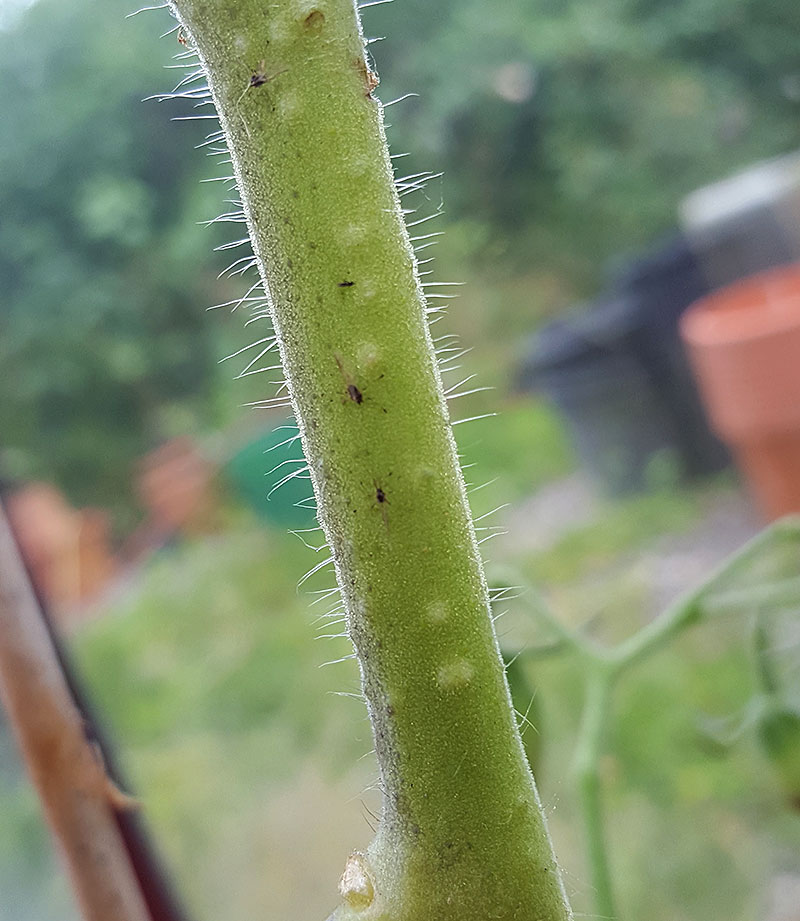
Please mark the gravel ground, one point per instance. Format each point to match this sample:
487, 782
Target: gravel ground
673, 562
678, 562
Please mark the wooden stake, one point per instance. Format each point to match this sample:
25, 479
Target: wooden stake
77, 796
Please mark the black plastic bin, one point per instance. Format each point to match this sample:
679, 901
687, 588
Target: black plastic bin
658, 287
589, 365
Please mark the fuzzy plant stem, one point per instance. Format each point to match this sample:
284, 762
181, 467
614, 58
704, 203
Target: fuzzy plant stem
462, 835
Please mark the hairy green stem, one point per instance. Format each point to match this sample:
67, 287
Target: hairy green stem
462, 835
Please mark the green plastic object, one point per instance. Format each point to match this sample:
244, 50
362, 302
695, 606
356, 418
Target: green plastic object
257, 470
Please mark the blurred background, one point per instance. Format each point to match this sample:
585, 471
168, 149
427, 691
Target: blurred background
607, 164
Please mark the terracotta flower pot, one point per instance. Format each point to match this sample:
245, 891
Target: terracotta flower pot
744, 346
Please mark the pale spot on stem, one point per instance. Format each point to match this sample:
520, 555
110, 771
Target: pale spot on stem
354, 233
287, 103
454, 675
367, 355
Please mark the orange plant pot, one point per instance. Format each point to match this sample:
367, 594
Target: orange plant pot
744, 347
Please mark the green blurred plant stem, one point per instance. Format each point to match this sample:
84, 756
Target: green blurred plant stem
586, 767
462, 835
602, 667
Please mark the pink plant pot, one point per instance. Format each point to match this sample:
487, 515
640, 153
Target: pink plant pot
744, 346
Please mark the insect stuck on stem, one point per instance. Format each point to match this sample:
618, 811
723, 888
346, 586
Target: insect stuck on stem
370, 78
259, 77
353, 392
382, 502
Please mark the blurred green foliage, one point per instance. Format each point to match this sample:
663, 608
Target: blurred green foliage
578, 124
230, 664
622, 528
567, 130
210, 677
102, 326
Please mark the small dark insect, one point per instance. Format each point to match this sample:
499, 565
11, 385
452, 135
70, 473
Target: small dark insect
346, 284
380, 498
259, 77
352, 391
181, 37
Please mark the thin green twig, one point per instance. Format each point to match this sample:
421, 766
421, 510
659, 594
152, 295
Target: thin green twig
603, 667
688, 609
588, 754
